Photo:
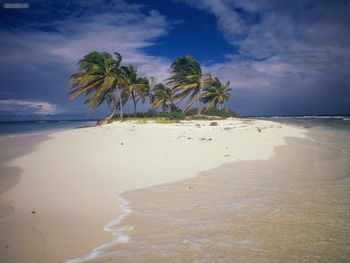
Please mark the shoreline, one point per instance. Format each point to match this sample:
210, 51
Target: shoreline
120, 228
13, 147
179, 135
257, 196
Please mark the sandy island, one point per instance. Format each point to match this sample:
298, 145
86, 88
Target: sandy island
69, 185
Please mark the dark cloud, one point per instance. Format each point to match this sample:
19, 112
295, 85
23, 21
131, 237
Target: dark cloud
294, 59
28, 108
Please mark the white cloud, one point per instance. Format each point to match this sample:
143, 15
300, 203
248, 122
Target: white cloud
24, 107
122, 28
287, 40
43, 55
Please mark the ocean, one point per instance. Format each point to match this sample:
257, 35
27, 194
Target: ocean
333, 131
20, 137
335, 123
25, 127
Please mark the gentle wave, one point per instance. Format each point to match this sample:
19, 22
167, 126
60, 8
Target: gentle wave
310, 117
119, 233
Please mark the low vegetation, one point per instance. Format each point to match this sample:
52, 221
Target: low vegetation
223, 113
176, 116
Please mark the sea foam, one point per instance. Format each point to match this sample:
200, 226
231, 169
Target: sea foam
111, 226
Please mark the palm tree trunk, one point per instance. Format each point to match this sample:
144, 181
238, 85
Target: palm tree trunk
172, 107
110, 116
199, 110
133, 99
199, 104
219, 106
120, 103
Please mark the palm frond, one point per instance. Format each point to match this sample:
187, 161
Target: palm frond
97, 79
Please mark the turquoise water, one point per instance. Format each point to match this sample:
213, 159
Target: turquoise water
331, 131
325, 122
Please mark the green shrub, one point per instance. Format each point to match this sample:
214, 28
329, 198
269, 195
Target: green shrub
192, 112
214, 123
225, 113
203, 117
175, 115
151, 113
209, 114
139, 115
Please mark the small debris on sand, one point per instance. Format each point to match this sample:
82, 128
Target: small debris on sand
121, 143
259, 130
190, 188
226, 155
205, 139
33, 212
128, 228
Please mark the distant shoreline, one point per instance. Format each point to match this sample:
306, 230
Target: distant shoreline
345, 115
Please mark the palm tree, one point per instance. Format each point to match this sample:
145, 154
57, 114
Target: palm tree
135, 87
99, 77
149, 91
187, 79
163, 96
216, 93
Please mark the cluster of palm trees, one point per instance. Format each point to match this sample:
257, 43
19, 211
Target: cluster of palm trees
102, 78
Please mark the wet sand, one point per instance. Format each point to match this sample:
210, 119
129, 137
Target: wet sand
294, 207
13, 147
22, 228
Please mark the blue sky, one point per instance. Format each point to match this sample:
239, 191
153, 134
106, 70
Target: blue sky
281, 57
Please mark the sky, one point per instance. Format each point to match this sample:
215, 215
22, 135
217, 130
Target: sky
281, 57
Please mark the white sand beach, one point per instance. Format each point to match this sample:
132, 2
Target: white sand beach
69, 184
